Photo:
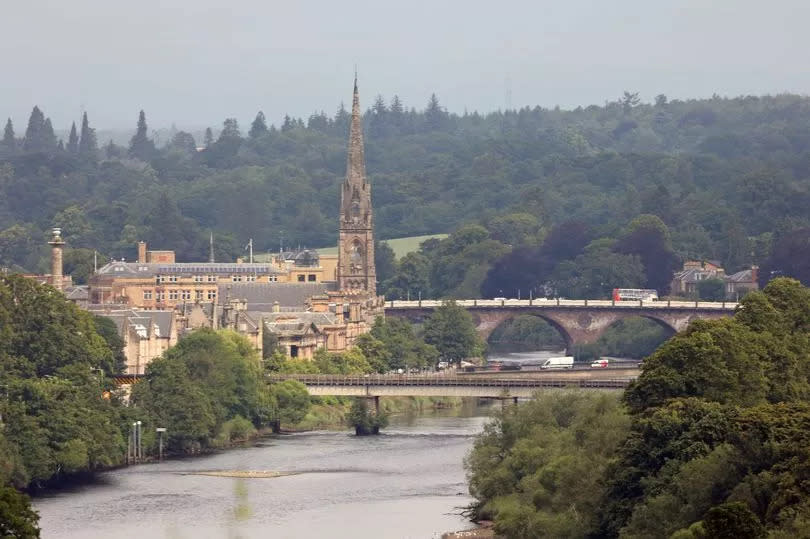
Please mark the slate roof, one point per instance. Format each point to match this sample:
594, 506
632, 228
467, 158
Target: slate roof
81, 292
296, 323
261, 296
136, 269
145, 322
744, 276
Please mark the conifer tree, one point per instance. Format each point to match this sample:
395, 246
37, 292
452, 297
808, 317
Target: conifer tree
288, 124
259, 126
209, 137
73, 140
34, 133
88, 145
435, 115
49, 137
9, 142
141, 146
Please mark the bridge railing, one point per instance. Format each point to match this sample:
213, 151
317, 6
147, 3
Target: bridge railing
333, 380
556, 302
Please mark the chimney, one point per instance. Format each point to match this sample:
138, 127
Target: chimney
142, 252
755, 274
56, 244
276, 307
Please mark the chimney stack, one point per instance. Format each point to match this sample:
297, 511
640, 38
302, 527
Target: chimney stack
276, 307
56, 243
142, 252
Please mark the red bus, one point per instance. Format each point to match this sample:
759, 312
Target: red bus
634, 294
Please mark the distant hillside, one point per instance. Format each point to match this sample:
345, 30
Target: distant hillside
401, 246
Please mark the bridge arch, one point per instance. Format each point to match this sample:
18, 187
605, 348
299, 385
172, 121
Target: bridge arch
488, 323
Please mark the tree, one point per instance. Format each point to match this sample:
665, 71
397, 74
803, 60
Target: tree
9, 143
88, 145
208, 140
451, 330
648, 237
258, 127
790, 257
384, 261
17, 518
140, 145
39, 135
712, 289
732, 520
515, 229
435, 115
73, 140
629, 100
292, 400
411, 278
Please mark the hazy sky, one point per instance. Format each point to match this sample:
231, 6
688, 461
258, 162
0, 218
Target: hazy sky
196, 62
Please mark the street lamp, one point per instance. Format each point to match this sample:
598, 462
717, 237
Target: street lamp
160, 431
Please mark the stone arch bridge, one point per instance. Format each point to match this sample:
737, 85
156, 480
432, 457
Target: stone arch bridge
578, 321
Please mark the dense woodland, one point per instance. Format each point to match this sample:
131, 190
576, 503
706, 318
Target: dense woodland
711, 441
723, 179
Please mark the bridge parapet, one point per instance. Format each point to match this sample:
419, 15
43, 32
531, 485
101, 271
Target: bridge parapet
441, 385
554, 303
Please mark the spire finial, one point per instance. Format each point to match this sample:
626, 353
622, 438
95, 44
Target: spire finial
211, 248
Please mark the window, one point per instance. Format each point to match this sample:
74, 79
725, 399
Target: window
172, 295
147, 294
161, 295
301, 278
198, 295
198, 278
311, 277
236, 278
186, 294
161, 278
250, 278
172, 278
212, 294
212, 278
272, 278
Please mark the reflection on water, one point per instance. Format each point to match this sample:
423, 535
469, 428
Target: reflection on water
408, 482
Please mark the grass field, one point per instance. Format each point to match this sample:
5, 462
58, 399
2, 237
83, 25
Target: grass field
401, 246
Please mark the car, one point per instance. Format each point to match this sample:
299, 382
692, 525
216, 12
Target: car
600, 364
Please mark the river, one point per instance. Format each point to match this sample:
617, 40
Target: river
406, 483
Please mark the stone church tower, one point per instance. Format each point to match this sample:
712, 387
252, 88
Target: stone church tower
356, 273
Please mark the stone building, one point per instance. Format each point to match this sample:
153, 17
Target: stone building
146, 333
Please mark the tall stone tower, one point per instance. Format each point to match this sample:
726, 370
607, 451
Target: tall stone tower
56, 243
356, 273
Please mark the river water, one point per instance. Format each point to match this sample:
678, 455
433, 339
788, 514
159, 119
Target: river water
406, 483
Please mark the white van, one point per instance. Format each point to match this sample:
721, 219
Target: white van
566, 362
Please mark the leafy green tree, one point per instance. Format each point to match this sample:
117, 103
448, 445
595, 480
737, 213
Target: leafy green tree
411, 278
375, 352
648, 238
732, 521
451, 330
384, 261
292, 400
515, 229
17, 518
596, 272
790, 257
712, 289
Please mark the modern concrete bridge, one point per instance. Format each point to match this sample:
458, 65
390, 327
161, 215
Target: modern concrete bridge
449, 385
578, 321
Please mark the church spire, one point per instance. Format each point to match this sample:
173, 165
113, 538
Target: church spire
356, 163
356, 272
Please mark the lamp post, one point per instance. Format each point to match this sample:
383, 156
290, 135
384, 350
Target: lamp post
138, 437
160, 431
